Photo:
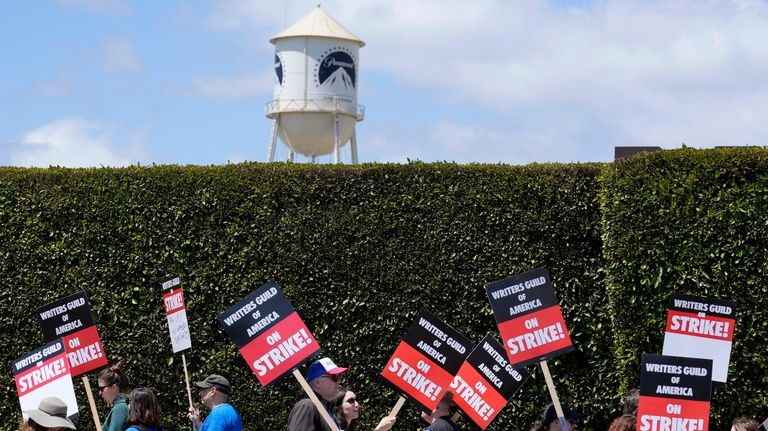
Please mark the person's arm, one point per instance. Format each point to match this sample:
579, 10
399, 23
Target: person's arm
194, 416
385, 423
302, 417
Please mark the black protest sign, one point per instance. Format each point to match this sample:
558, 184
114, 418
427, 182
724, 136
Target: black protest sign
699, 327
70, 318
271, 336
674, 393
423, 365
529, 317
44, 372
486, 381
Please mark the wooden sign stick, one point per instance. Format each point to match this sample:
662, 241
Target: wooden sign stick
396, 409
318, 405
553, 395
455, 417
186, 378
94, 413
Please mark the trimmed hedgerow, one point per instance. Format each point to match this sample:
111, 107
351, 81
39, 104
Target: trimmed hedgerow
696, 222
358, 250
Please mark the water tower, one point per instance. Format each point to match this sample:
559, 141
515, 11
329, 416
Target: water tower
315, 108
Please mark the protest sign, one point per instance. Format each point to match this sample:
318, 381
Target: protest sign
529, 317
44, 372
486, 381
271, 336
674, 393
700, 327
176, 314
423, 365
70, 318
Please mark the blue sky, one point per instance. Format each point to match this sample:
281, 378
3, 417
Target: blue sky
113, 82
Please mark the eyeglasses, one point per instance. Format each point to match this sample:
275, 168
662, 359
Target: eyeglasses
333, 377
101, 388
351, 401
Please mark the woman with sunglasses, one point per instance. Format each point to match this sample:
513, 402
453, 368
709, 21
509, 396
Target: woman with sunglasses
347, 410
112, 383
143, 413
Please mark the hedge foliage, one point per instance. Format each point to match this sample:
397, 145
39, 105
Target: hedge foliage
695, 222
360, 249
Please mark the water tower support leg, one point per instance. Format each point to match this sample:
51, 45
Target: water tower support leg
273, 140
313, 160
353, 147
336, 138
290, 156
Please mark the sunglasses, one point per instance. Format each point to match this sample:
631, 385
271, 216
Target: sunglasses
351, 401
101, 388
333, 377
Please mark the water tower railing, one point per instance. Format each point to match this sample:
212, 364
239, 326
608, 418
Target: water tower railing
330, 105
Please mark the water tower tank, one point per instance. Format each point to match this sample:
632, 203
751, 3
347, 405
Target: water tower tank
316, 78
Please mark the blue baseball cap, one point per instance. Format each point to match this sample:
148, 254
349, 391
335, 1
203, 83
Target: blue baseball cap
322, 367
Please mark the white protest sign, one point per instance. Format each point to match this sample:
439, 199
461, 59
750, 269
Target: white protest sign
176, 314
44, 372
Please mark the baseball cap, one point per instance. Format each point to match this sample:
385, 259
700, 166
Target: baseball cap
550, 414
215, 381
51, 413
322, 367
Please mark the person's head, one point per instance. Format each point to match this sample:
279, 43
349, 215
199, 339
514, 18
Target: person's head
623, 423
630, 402
346, 407
112, 382
323, 378
213, 390
551, 421
142, 408
51, 414
444, 406
744, 424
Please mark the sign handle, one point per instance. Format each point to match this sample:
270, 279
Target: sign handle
94, 413
455, 417
553, 395
396, 409
319, 406
186, 379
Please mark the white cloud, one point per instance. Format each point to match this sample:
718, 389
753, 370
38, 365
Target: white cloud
120, 56
97, 6
258, 86
71, 142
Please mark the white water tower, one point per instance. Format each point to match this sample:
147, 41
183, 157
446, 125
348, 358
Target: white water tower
315, 108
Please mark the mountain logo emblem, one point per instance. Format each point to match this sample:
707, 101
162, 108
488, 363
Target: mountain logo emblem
279, 69
337, 69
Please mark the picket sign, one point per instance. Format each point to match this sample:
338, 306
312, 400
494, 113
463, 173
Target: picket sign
319, 406
531, 323
176, 315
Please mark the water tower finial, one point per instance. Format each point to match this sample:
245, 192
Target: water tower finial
315, 108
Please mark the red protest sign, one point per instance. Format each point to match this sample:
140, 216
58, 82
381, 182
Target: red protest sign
700, 327
486, 381
423, 365
70, 317
674, 393
44, 372
271, 336
529, 317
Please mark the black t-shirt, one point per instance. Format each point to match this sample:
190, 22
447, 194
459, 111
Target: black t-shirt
443, 423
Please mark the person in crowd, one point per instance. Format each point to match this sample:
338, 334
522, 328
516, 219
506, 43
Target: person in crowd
551, 422
440, 419
624, 422
631, 401
214, 392
143, 413
347, 410
50, 415
744, 424
112, 383
323, 378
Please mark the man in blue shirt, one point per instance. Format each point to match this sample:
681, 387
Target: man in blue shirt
214, 393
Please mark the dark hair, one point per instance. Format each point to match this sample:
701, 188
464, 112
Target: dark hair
630, 402
538, 426
142, 408
338, 410
745, 424
623, 423
115, 375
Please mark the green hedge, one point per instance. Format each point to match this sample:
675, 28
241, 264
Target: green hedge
696, 222
358, 250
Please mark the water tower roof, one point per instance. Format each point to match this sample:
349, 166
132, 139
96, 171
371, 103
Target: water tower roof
318, 24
